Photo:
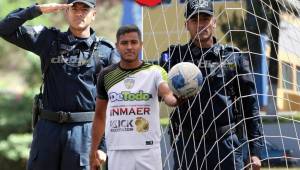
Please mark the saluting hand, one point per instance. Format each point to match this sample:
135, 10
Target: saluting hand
53, 7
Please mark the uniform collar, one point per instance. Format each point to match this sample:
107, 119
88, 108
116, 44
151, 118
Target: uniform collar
196, 51
87, 41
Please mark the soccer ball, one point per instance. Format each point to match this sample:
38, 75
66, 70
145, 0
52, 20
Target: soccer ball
185, 79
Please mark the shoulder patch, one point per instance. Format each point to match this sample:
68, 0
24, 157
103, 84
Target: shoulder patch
38, 29
165, 56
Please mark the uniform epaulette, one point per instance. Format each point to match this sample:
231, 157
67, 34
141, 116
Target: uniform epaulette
106, 42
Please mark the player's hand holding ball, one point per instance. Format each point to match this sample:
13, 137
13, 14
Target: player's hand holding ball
185, 80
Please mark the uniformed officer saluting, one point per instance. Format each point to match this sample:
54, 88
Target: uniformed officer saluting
203, 129
70, 61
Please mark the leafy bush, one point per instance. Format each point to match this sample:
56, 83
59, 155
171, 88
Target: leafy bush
14, 151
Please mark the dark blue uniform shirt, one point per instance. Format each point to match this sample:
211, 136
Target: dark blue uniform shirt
69, 84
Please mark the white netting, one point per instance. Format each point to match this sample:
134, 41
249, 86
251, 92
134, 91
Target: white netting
269, 32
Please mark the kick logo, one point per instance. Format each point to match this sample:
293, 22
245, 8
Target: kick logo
121, 125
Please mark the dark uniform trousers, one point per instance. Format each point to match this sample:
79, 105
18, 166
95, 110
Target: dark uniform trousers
70, 145
196, 153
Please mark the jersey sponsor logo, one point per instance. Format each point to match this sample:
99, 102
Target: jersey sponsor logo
121, 125
120, 111
75, 60
129, 83
141, 124
128, 96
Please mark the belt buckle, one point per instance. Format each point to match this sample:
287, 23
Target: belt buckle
63, 116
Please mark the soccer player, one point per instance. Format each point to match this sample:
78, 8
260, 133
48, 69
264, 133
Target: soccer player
128, 102
203, 128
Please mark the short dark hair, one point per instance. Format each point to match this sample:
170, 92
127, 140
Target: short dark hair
127, 29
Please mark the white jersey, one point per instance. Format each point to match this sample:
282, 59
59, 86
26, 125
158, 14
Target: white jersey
132, 115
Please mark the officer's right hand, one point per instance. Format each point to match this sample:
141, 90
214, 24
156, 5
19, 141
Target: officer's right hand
53, 7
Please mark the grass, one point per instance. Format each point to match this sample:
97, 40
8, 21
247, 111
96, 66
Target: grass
281, 168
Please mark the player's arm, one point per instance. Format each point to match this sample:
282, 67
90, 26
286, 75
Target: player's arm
167, 95
97, 156
26, 37
163, 88
97, 132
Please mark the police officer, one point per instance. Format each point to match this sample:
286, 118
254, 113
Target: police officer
70, 62
204, 129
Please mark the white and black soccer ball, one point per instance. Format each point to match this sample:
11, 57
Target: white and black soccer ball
185, 79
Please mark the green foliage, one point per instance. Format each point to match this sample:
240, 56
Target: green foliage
15, 114
14, 151
15, 136
33, 73
16, 147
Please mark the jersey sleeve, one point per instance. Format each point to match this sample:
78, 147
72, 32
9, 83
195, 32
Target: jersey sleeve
162, 75
101, 91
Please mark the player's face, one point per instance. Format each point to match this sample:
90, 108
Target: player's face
201, 27
129, 45
80, 16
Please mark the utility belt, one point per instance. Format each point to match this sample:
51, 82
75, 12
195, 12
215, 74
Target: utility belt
212, 134
66, 117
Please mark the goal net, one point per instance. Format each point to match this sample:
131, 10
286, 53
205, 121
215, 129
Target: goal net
268, 33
